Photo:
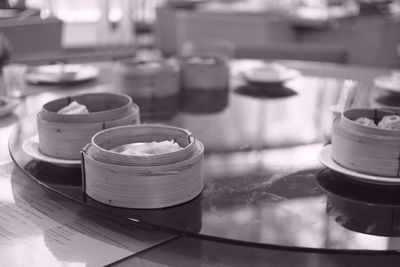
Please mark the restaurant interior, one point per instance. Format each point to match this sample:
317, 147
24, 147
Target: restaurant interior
200, 133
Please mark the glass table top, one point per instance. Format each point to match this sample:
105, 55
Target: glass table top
264, 184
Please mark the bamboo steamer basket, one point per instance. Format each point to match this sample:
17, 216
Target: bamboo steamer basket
365, 149
143, 79
204, 73
154, 84
142, 182
64, 135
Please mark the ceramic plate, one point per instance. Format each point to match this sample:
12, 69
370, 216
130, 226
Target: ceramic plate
8, 105
61, 73
326, 159
387, 83
265, 76
31, 147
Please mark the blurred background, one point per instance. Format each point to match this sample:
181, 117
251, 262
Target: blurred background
360, 32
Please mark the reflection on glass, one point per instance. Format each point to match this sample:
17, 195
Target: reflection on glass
276, 220
204, 101
369, 209
266, 91
186, 217
183, 217
71, 232
257, 123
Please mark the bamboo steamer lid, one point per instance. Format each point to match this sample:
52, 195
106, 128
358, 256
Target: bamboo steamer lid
370, 150
143, 184
64, 135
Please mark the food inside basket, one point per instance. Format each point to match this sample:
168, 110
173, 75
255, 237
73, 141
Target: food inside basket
74, 108
147, 149
389, 122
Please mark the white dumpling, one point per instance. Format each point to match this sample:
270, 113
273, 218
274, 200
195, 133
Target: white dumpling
366, 122
147, 149
74, 108
391, 122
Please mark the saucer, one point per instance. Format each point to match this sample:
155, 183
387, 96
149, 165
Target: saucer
260, 76
61, 73
31, 147
387, 83
9, 105
326, 159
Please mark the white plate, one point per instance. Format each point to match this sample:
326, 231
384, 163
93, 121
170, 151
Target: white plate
31, 147
10, 105
61, 73
387, 83
326, 159
259, 75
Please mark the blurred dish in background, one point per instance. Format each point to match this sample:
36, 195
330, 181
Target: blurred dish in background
322, 16
60, 73
266, 81
270, 73
389, 82
152, 83
7, 105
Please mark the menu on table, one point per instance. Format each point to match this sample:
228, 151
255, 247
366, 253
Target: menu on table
41, 228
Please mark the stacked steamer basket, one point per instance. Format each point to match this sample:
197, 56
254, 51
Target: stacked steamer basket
366, 148
153, 84
64, 135
137, 181
204, 79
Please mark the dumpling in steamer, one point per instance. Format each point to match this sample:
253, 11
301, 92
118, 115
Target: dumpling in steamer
74, 108
366, 122
147, 149
390, 122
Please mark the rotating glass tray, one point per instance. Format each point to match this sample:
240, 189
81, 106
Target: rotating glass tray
253, 198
